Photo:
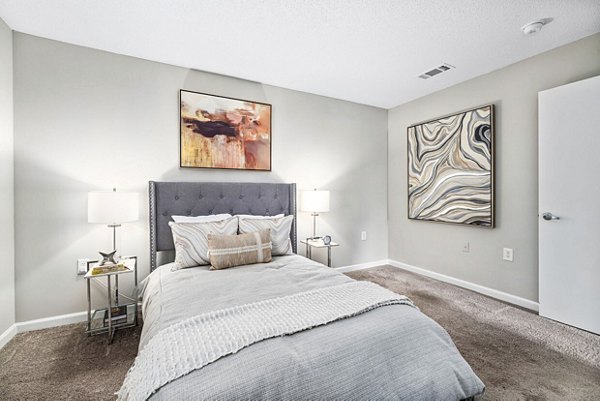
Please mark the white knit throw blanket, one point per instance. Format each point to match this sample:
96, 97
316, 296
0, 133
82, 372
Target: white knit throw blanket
197, 341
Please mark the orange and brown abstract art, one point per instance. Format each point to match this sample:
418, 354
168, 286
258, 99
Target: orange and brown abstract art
219, 132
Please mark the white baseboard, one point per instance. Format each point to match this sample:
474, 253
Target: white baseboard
52, 321
361, 266
490, 292
8, 335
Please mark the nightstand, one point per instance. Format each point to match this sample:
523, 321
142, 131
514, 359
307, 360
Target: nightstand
102, 320
318, 243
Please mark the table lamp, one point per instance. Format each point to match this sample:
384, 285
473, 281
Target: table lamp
315, 202
113, 208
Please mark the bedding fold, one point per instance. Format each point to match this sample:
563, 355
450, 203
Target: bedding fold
193, 343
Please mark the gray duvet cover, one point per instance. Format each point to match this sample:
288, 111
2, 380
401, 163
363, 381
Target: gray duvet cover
393, 352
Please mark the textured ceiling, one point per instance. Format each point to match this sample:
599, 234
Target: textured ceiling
365, 51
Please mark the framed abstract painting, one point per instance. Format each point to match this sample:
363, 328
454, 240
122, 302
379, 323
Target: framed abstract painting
224, 133
451, 168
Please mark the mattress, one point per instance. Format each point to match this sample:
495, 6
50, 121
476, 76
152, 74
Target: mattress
392, 352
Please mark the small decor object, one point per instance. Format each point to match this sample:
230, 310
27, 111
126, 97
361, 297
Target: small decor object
103, 269
450, 168
314, 202
118, 315
327, 240
108, 258
220, 132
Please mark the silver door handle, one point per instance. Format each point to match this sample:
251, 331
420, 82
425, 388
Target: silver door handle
549, 216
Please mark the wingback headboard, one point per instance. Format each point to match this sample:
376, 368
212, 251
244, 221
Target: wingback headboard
205, 198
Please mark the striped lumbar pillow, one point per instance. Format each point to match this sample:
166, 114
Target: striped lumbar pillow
191, 243
280, 231
235, 250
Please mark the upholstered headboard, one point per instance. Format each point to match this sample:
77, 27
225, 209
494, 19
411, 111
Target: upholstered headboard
205, 198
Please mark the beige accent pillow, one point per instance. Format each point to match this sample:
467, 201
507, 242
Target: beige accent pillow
235, 250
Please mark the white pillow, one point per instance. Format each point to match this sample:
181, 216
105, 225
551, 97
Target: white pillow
191, 240
251, 216
201, 219
280, 231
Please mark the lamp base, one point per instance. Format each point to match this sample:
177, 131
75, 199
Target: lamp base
315, 215
114, 238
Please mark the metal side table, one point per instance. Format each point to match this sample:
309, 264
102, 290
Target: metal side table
317, 243
101, 320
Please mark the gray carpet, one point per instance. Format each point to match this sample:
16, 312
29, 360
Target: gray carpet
517, 354
63, 363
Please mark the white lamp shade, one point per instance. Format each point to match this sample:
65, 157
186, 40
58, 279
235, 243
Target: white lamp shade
314, 201
111, 207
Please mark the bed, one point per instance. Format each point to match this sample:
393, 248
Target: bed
387, 351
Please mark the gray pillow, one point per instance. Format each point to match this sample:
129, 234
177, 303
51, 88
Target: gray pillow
191, 240
280, 231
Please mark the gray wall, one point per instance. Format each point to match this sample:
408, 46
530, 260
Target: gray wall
513, 90
7, 233
88, 120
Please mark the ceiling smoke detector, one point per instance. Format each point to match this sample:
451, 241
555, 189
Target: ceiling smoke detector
534, 27
437, 70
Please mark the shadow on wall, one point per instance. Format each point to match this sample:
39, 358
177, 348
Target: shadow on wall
347, 216
52, 233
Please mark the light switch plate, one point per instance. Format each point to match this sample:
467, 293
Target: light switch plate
508, 254
363, 235
82, 266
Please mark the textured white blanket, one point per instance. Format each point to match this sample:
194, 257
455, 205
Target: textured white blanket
195, 342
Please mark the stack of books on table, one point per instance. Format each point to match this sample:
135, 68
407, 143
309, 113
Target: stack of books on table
118, 315
109, 268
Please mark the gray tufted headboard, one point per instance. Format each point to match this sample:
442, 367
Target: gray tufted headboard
204, 198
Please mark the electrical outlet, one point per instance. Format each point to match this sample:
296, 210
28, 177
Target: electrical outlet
363, 235
82, 266
466, 247
507, 254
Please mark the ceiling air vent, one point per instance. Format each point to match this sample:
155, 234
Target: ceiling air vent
435, 71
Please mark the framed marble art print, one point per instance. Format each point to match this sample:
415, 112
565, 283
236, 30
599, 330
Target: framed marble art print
451, 168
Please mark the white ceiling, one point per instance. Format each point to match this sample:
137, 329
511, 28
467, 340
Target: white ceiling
365, 51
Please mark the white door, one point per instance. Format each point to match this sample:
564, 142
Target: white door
569, 204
